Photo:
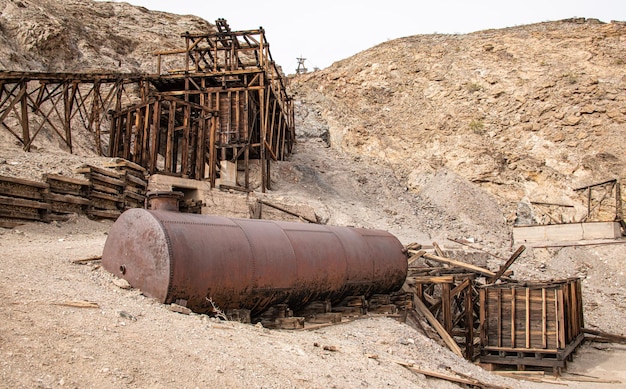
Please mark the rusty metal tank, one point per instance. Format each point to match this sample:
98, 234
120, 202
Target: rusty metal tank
247, 263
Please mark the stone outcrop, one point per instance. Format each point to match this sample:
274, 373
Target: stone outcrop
527, 112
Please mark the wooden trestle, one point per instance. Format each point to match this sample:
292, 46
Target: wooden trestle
61, 102
227, 103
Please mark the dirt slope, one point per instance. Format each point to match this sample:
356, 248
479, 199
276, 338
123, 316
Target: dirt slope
527, 113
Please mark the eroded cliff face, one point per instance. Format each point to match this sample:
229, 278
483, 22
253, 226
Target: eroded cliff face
528, 113
84, 36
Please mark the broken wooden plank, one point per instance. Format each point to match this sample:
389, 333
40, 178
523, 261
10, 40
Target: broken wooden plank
457, 380
21, 214
413, 246
103, 180
417, 255
21, 181
421, 308
235, 188
135, 196
70, 199
67, 180
444, 279
467, 266
179, 309
85, 260
466, 243
79, 304
109, 197
508, 264
90, 169
288, 211
438, 249
124, 163
10, 224
14, 202
105, 214
134, 180
604, 335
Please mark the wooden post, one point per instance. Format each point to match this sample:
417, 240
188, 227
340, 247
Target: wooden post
184, 165
263, 135
212, 151
186, 65
618, 201
246, 136
95, 115
154, 137
201, 140
588, 203
527, 323
482, 298
556, 320
544, 319
113, 130
446, 307
469, 323
169, 157
512, 318
499, 316
143, 157
68, 104
561, 319
24, 110
138, 138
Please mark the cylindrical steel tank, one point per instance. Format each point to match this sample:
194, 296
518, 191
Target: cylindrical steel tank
247, 263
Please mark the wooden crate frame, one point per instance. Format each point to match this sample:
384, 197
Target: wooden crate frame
531, 324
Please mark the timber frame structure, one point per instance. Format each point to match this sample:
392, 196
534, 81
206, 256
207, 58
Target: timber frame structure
225, 106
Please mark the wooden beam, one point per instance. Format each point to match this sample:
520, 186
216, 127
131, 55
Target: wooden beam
421, 308
154, 137
508, 264
24, 120
288, 211
169, 158
467, 266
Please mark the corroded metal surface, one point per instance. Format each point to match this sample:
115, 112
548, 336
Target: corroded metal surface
250, 264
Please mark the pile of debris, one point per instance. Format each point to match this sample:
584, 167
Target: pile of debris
489, 316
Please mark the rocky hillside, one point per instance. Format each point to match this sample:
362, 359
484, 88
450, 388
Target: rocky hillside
433, 137
83, 35
527, 113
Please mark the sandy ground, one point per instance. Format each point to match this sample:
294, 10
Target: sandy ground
127, 340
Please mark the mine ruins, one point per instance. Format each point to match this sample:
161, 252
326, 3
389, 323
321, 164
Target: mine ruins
188, 182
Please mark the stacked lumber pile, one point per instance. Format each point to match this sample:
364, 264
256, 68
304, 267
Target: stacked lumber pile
66, 196
22, 200
136, 184
103, 193
191, 206
318, 314
106, 198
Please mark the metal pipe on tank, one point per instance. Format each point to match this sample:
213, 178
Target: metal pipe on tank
164, 200
248, 263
